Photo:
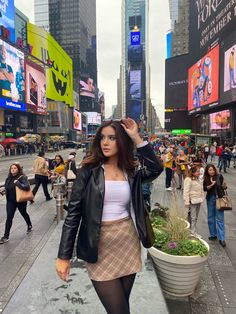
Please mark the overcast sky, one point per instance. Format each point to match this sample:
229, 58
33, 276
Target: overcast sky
109, 47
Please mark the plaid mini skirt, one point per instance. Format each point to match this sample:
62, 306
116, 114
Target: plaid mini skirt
119, 251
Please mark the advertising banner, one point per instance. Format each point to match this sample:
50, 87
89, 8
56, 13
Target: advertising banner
7, 19
176, 84
228, 70
210, 21
177, 119
135, 53
77, 120
12, 76
87, 87
135, 38
35, 88
134, 109
203, 82
135, 84
60, 74
94, 118
220, 120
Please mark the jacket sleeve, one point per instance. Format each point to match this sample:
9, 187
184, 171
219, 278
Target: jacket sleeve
152, 166
72, 221
23, 183
186, 192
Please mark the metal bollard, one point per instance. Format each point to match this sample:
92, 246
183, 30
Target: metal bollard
69, 189
60, 206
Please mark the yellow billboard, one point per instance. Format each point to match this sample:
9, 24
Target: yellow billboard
60, 73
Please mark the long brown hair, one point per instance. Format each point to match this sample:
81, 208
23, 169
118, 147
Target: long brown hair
206, 174
193, 170
125, 145
18, 166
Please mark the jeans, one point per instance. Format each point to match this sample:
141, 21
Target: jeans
39, 179
223, 164
11, 209
168, 177
194, 212
216, 222
232, 80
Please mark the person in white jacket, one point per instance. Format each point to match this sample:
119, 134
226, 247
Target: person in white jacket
193, 196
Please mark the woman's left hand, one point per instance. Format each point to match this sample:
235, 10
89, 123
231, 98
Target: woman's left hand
131, 128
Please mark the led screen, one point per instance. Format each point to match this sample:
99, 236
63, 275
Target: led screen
77, 120
220, 120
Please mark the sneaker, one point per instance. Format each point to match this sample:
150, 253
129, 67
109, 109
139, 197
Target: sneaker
212, 238
30, 229
169, 189
222, 243
3, 240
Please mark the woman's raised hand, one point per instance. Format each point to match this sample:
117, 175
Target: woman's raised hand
131, 128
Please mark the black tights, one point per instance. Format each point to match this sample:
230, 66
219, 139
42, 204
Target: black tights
114, 294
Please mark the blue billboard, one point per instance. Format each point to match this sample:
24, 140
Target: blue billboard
135, 38
169, 37
7, 18
134, 109
135, 53
13, 105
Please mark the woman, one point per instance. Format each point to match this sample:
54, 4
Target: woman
58, 165
71, 170
182, 167
193, 196
168, 164
214, 185
15, 178
106, 194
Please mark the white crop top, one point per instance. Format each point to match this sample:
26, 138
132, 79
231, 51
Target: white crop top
117, 197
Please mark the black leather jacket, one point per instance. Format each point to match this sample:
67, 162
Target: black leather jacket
86, 205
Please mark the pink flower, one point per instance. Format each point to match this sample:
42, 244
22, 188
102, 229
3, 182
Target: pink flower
172, 245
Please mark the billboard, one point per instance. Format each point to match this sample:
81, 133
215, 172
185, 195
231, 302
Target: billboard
203, 81
176, 82
135, 53
135, 84
220, 120
228, 69
7, 10
210, 22
177, 119
87, 87
134, 109
35, 93
59, 75
94, 118
77, 120
12, 77
135, 38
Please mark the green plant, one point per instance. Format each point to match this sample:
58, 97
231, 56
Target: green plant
161, 238
158, 222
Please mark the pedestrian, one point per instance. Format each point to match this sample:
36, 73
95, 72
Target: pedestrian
206, 152
168, 164
71, 169
234, 155
40, 168
224, 159
106, 194
213, 152
214, 185
193, 196
15, 178
181, 167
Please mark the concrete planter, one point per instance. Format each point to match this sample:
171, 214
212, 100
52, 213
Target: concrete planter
178, 275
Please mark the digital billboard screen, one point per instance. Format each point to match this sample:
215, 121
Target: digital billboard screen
135, 84
135, 53
176, 82
35, 94
12, 76
94, 118
77, 120
134, 109
220, 120
203, 82
228, 69
7, 10
87, 87
210, 21
177, 119
135, 38
59, 75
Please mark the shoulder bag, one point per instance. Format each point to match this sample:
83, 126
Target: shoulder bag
224, 203
70, 173
22, 195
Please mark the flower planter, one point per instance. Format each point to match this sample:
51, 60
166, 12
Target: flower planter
178, 275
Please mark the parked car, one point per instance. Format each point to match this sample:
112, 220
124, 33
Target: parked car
71, 144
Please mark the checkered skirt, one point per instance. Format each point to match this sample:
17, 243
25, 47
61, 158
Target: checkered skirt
119, 251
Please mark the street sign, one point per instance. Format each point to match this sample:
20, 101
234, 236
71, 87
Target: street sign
181, 131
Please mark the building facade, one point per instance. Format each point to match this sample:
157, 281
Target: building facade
41, 11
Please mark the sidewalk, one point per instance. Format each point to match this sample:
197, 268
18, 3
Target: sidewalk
41, 291
216, 291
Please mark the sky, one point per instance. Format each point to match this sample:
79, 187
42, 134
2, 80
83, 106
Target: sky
109, 47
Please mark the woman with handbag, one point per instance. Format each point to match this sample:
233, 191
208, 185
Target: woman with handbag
181, 167
16, 179
71, 170
215, 187
106, 203
193, 196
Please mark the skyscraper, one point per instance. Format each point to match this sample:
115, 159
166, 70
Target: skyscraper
41, 10
135, 82
179, 15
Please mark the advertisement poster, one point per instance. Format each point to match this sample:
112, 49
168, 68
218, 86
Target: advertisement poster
77, 120
135, 84
7, 18
87, 87
203, 81
134, 109
36, 88
220, 120
94, 118
59, 75
230, 69
135, 53
12, 76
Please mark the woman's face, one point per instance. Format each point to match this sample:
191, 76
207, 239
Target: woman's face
108, 142
14, 170
58, 160
196, 174
211, 171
